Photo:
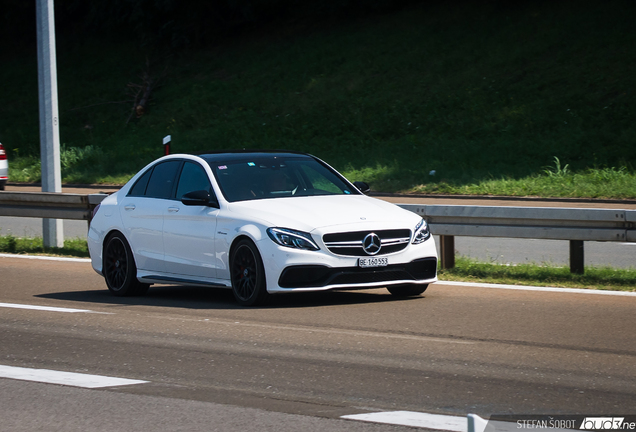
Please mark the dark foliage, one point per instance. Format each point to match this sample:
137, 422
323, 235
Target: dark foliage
173, 23
17, 24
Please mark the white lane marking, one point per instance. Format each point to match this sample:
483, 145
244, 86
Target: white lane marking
536, 288
64, 378
46, 258
47, 308
415, 419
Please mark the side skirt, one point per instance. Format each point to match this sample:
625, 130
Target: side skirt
173, 280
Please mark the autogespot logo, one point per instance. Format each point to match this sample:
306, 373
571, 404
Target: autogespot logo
603, 423
372, 244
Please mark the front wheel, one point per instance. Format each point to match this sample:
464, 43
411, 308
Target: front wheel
407, 290
248, 274
119, 268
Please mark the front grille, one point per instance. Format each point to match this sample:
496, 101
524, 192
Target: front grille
313, 276
351, 243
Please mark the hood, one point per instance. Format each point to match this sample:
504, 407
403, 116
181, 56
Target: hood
320, 212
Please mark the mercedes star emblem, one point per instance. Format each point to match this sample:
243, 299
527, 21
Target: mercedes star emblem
371, 244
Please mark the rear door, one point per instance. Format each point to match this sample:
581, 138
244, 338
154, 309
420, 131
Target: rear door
189, 231
142, 213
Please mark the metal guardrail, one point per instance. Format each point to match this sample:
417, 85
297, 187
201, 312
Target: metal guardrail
49, 205
530, 222
447, 221
573, 224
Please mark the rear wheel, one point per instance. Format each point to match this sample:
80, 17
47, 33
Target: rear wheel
248, 274
119, 268
407, 290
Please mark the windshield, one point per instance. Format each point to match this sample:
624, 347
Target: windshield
276, 176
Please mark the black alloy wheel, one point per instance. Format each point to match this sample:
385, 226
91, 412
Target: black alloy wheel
248, 274
119, 268
407, 290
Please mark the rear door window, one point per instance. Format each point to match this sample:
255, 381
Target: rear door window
162, 180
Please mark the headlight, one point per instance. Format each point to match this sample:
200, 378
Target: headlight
293, 239
421, 232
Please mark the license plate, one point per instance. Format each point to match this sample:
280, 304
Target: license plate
373, 262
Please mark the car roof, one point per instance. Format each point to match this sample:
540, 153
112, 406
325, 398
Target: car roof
239, 155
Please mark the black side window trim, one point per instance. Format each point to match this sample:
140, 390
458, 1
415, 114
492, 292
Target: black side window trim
175, 181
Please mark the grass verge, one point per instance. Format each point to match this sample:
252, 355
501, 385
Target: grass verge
34, 246
601, 278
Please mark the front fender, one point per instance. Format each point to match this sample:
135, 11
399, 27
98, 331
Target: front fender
227, 236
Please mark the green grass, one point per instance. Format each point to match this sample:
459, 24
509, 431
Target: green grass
33, 246
590, 183
485, 95
602, 278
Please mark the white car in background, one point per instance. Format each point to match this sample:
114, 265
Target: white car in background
4, 168
259, 223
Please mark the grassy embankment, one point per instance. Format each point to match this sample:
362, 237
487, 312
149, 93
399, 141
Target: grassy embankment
484, 95
531, 100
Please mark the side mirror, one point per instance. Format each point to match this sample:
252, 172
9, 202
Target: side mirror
199, 198
362, 187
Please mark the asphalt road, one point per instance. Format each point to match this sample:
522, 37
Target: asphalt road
501, 250
305, 360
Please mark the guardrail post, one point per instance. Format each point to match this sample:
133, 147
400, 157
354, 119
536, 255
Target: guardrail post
447, 251
577, 257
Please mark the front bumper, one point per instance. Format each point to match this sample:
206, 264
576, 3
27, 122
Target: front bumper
313, 276
290, 270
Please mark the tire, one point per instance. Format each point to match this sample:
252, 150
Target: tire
248, 274
407, 290
2, 183
120, 271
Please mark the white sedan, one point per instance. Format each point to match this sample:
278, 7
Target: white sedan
259, 223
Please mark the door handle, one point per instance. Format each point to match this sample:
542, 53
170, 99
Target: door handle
173, 209
130, 207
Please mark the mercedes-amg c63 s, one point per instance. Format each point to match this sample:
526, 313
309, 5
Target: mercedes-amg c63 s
259, 223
